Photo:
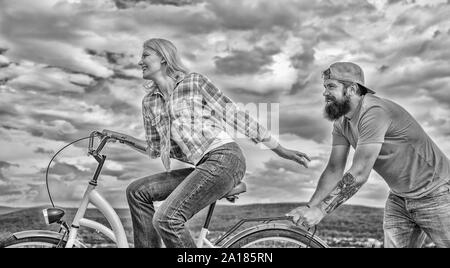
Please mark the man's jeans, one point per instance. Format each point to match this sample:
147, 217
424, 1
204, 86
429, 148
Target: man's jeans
407, 222
186, 192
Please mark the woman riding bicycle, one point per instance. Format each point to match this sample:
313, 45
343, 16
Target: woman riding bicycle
185, 118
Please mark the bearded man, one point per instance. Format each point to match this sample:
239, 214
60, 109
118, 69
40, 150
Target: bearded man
389, 140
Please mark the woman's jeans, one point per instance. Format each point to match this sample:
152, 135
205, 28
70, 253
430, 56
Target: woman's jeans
408, 222
186, 192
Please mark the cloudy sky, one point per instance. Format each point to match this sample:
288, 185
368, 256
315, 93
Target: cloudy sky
68, 67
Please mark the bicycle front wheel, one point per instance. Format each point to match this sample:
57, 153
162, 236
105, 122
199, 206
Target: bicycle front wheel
32, 242
37, 239
275, 237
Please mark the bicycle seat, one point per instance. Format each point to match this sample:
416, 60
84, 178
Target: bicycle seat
239, 189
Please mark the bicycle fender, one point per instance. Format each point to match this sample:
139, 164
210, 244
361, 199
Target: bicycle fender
44, 233
270, 226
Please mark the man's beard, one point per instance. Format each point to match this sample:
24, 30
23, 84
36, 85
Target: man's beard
336, 109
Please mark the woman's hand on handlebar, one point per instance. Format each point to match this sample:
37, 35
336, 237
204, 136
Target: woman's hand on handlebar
115, 135
139, 145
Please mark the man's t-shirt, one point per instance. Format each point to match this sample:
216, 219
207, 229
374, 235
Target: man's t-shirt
409, 161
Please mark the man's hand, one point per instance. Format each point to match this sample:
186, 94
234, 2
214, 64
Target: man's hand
296, 156
307, 216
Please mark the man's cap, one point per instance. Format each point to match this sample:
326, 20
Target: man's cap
348, 72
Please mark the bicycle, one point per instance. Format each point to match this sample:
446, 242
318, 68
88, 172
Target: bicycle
270, 233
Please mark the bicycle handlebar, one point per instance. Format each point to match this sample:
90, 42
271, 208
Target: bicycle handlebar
91, 150
104, 139
91, 142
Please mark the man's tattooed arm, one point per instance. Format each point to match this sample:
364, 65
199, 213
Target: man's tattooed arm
345, 189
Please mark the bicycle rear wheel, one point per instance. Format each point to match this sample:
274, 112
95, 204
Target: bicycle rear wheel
276, 237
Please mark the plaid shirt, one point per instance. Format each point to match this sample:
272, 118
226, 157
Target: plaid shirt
194, 115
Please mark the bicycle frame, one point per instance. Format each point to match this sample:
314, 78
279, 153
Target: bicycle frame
117, 234
91, 196
202, 241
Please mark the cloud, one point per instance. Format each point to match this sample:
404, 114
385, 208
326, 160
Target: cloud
48, 34
64, 193
59, 130
4, 61
6, 127
4, 166
125, 4
373, 190
281, 181
40, 150
383, 68
66, 94
428, 77
8, 109
113, 58
68, 172
421, 18
241, 62
304, 58
330, 8
285, 181
310, 127
41, 78
248, 16
300, 86
246, 96
393, 2
9, 190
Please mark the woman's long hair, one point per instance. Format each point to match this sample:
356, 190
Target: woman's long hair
169, 53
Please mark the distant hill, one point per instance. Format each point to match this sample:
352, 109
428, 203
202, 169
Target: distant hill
6, 210
353, 226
